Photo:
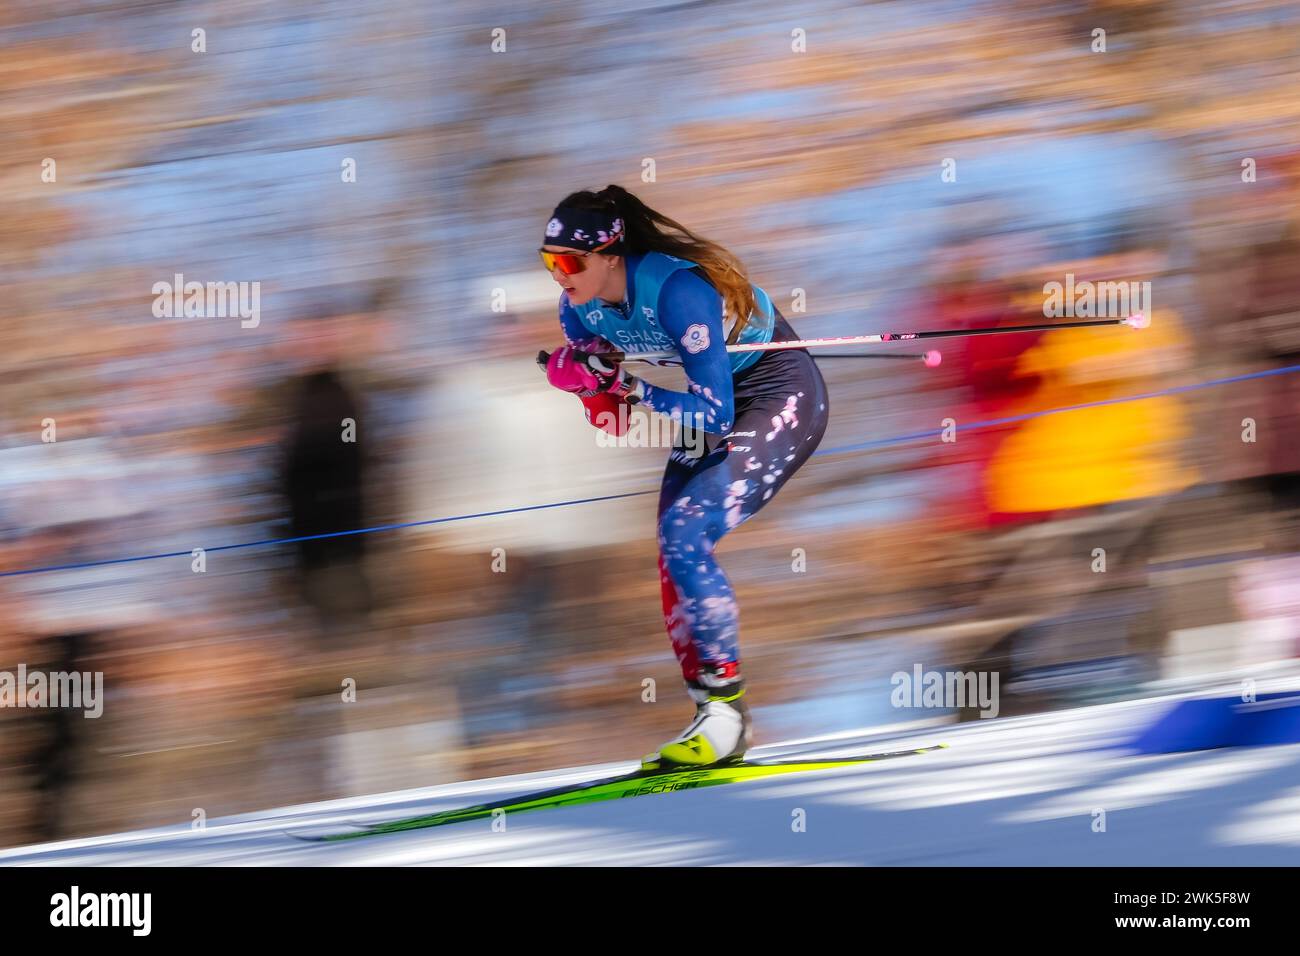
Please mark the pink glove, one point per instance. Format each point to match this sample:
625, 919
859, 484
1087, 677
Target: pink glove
568, 371
583, 371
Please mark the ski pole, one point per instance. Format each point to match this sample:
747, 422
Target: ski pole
931, 358
1136, 321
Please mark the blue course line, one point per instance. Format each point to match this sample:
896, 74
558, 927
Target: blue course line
314, 537
843, 449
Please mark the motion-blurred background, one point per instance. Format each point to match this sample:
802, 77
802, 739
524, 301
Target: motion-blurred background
408, 298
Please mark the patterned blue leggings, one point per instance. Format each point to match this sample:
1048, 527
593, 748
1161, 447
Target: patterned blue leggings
781, 415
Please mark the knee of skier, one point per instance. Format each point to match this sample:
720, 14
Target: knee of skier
682, 535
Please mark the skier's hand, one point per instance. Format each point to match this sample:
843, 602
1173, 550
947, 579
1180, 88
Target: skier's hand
615, 379
567, 369
575, 369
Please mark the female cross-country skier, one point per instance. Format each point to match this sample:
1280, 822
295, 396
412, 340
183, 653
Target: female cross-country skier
635, 281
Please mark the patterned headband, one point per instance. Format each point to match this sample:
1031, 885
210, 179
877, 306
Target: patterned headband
584, 229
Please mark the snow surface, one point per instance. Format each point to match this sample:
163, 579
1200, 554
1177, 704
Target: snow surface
1019, 791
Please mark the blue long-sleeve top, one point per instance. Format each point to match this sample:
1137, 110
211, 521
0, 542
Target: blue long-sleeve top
690, 316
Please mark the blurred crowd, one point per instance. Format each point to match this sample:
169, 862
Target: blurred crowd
385, 178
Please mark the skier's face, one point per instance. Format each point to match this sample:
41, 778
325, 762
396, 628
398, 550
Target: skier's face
598, 276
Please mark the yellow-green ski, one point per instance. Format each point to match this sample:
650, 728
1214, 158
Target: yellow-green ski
638, 783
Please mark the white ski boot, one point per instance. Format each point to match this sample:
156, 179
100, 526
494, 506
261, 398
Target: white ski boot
720, 733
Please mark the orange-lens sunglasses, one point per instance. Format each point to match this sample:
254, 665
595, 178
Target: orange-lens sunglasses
571, 263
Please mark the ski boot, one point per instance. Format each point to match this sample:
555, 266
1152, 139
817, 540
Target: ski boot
720, 733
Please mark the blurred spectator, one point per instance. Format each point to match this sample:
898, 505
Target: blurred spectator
987, 367
72, 501
1101, 473
323, 483
1271, 320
